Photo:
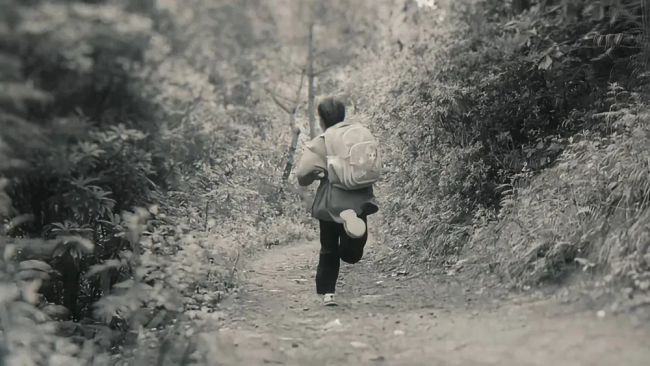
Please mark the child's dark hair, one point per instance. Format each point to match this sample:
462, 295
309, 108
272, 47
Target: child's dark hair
331, 111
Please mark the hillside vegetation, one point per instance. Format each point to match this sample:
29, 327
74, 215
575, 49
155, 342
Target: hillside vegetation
517, 138
127, 190
146, 145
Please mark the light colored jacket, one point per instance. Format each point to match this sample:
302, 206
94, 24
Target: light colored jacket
312, 161
330, 200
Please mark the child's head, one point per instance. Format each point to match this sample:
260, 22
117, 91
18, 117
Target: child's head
331, 111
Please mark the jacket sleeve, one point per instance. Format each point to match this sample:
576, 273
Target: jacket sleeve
311, 162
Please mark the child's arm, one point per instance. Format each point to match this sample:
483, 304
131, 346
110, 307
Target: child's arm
308, 169
311, 165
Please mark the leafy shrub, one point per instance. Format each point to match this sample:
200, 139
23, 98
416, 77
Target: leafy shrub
107, 111
83, 146
482, 97
589, 211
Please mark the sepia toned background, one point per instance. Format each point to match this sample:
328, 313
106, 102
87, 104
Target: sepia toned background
150, 215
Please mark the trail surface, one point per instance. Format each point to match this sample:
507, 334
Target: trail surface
389, 319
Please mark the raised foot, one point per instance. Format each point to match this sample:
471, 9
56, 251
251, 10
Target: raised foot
353, 225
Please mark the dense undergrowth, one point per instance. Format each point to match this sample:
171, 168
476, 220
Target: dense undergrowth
588, 212
126, 195
517, 138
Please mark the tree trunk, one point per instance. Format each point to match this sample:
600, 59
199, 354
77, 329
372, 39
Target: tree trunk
519, 6
572, 11
292, 152
290, 160
70, 276
294, 129
310, 82
645, 17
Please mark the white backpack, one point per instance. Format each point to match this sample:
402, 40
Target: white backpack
353, 157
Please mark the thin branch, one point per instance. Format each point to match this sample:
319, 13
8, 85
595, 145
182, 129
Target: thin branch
231, 276
302, 79
285, 99
294, 103
277, 101
323, 70
299, 68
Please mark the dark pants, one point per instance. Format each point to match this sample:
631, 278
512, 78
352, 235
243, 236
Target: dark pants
336, 246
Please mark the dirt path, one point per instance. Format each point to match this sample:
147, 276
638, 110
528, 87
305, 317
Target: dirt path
397, 320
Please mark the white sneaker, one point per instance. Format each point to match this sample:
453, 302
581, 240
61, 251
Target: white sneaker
353, 225
328, 300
